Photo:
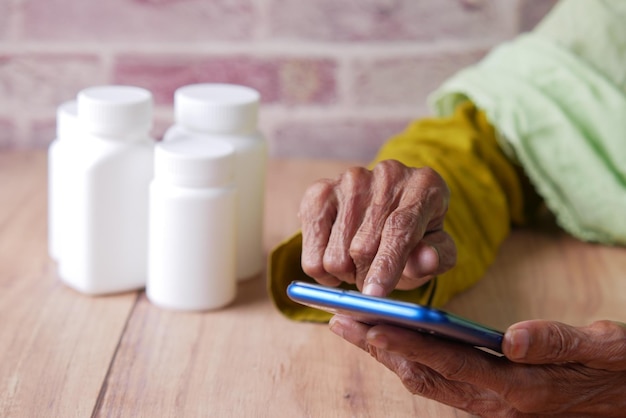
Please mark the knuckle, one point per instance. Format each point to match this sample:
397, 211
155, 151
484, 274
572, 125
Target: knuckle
355, 181
319, 191
337, 263
455, 369
354, 174
431, 177
390, 173
363, 251
608, 328
560, 342
433, 185
418, 381
401, 222
374, 352
313, 267
390, 178
389, 167
612, 336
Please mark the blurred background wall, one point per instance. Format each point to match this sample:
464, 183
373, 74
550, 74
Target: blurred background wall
338, 77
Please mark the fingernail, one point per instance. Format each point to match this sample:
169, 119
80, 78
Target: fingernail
373, 289
519, 341
336, 326
437, 260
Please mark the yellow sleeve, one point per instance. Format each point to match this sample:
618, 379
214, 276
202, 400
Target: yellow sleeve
485, 198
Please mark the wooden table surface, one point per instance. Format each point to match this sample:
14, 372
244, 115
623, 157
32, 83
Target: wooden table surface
68, 355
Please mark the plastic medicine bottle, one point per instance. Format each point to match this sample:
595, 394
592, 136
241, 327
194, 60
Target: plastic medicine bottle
191, 262
230, 112
108, 170
58, 193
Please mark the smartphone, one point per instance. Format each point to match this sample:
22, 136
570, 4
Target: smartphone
375, 310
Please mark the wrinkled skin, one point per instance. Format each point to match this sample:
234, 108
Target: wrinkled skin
383, 230
560, 371
379, 229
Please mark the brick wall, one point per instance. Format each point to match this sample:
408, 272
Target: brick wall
337, 77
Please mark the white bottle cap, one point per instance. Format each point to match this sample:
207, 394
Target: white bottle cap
115, 110
194, 162
67, 122
217, 108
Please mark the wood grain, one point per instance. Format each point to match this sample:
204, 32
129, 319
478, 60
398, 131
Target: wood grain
56, 345
64, 354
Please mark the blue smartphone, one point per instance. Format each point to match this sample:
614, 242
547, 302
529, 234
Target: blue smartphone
374, 310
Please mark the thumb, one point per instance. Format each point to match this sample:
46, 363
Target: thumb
434, 254
601, 345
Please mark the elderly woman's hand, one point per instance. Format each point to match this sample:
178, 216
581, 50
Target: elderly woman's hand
550, 368
380, 229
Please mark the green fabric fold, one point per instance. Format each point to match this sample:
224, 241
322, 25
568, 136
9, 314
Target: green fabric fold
564, 121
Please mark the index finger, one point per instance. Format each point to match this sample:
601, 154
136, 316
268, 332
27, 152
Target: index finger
416, 215
397, 240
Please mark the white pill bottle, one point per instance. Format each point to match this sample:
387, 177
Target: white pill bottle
58, 193
229, 113
192, 225
108, 170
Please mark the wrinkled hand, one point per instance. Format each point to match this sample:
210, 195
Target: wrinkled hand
550, 368
380, 229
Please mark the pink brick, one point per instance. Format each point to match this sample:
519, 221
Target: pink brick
7, 134
42, 81
42, 133
162, 124
532, 11
383, 20
352, 139
286, 80
139, 20
5, 16
307, 81
405, 80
